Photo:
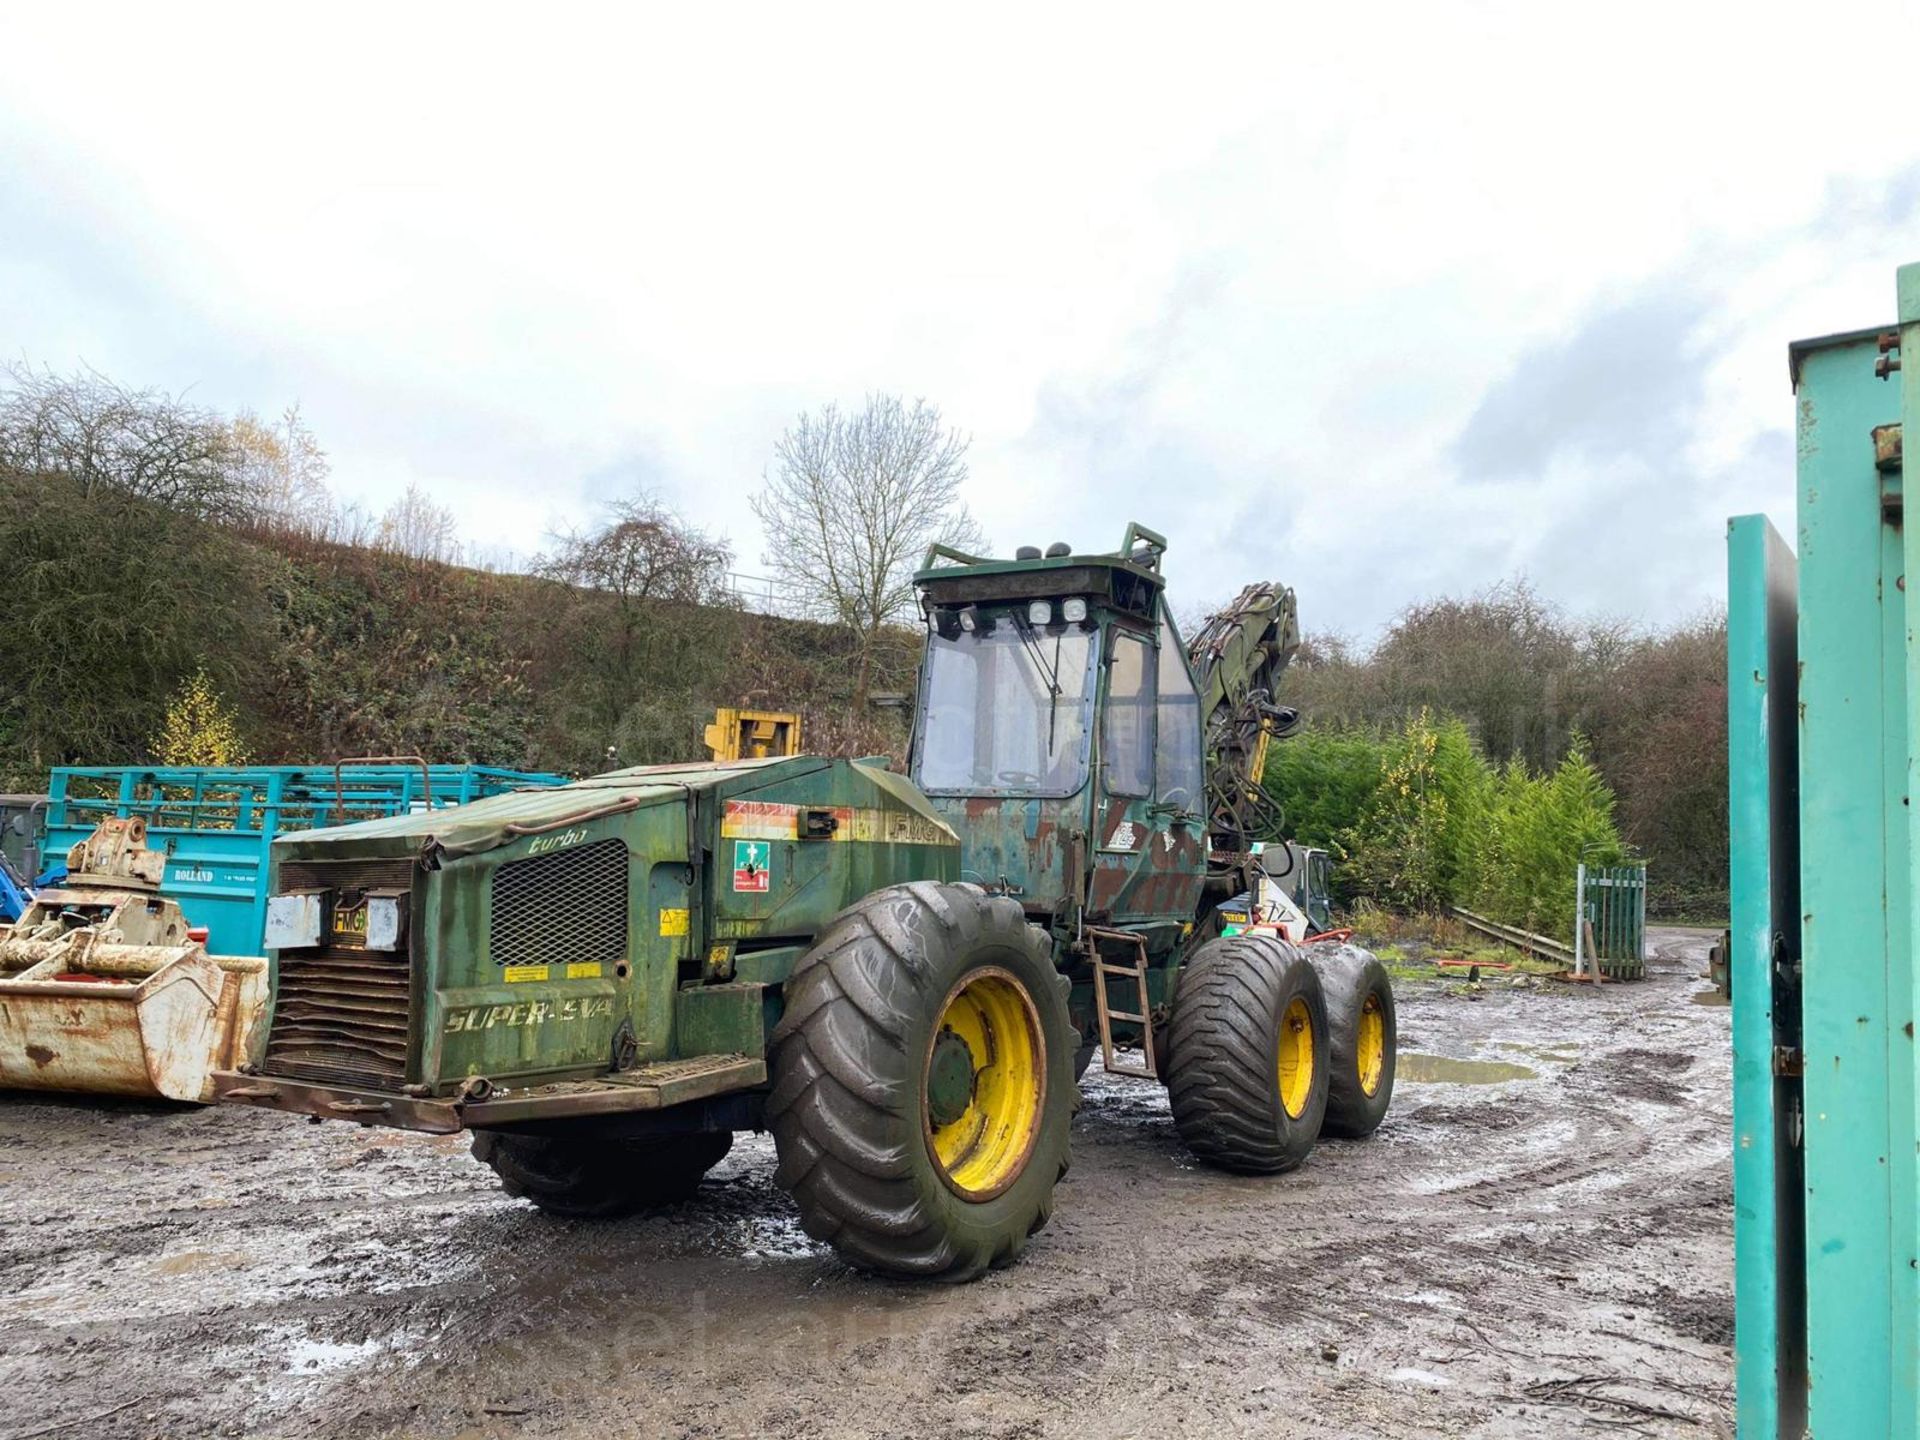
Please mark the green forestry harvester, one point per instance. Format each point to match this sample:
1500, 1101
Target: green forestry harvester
900, 976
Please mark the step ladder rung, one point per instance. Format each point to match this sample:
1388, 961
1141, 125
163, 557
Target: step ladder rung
1143, 1017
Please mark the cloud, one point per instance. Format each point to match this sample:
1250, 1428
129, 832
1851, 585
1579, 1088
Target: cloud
1380, 319
1625, 386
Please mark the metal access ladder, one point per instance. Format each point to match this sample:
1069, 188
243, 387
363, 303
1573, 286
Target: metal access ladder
1104, 969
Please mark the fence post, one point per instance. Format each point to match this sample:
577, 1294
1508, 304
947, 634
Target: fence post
1580, 919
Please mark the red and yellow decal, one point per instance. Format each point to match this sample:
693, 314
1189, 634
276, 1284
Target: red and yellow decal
766, 820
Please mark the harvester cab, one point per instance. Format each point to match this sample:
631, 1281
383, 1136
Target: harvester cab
1059, 733
899, 976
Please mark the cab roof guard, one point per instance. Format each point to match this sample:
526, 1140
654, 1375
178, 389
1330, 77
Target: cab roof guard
1141, 547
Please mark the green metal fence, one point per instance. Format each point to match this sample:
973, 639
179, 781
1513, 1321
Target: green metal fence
1612, 928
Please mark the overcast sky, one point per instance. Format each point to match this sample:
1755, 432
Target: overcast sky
1382, 301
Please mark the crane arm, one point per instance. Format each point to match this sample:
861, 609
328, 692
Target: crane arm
1238, 656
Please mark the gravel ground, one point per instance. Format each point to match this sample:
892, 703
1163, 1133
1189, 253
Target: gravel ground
1537, 1242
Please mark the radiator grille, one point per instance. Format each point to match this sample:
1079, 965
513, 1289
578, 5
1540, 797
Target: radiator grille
561, 908
341, 1013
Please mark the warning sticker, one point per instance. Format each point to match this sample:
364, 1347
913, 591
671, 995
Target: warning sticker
673, 922
751, 862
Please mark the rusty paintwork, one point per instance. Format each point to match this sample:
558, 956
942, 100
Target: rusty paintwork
104, 990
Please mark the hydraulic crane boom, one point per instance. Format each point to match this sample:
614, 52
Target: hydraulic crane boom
1237, 657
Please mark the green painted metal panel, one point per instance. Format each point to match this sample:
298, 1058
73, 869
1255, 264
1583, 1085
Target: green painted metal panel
1763, 810
1613, 901
1856, 922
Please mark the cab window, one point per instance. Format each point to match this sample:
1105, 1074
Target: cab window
1177, 751
1005, 712
1126, 737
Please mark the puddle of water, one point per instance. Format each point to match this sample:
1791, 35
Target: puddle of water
192, 1262
304, 1353
777, 1238
1418, 1069
1708, 997
312, 1357
1560, 1053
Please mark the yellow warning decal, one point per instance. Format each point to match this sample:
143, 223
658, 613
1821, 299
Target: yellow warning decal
516, 974
583, 970
673, 922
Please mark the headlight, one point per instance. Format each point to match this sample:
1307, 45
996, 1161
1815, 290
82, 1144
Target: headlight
970, 619
1074, 609
1039, 612
385, 915
293, 921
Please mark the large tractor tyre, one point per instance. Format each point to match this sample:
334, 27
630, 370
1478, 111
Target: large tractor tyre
594, 1179
923, 1082
1083, 1059
1363, 1044
1247, 1073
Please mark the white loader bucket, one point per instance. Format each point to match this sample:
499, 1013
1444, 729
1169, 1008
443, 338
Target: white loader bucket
105, 991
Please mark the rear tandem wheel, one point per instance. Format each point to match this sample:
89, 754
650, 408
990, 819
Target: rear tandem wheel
1248, 1075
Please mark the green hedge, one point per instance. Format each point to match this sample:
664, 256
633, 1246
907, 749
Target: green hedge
1418, 819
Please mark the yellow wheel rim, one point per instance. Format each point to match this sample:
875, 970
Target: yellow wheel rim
1370, 1055
1296, 1058
984, 1084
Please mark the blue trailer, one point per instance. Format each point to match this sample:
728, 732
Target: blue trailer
216, 824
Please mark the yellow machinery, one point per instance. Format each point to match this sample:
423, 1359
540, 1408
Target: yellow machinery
753, 734
104, 989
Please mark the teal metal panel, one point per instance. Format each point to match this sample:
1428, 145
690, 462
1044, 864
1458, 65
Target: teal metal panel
1856, 922
1763, 811
1903, 1072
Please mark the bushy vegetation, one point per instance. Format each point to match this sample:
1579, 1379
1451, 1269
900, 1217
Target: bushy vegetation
1432, 823
1645, 709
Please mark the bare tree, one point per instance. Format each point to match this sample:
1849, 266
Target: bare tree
284, 473
103, 437
644, 552
851, 505
415, 526
639, 619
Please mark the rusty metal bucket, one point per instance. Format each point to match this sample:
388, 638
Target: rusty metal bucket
104, 990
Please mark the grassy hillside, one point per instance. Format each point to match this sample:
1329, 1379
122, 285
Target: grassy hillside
323, 649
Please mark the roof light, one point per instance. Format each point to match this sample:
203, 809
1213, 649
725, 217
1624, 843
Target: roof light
1039, 612
1074, 609
970, 618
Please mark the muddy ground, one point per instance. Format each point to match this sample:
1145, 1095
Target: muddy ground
1539, 1247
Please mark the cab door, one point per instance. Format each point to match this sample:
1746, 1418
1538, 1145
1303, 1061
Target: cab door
1123, 822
